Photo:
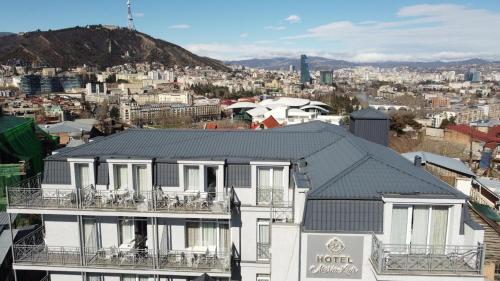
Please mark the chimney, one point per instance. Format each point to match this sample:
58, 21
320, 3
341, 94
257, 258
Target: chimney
370, 124
417, 161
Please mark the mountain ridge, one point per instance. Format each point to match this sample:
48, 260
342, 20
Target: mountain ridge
321, 63
96, 45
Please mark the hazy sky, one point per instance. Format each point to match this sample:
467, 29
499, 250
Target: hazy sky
368, 30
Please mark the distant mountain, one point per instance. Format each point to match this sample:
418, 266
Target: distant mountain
98, 46
320, 63
2, 34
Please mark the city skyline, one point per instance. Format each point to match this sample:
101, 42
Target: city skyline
403, 31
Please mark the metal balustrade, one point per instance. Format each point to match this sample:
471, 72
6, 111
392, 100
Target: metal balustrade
429, 259
114, 257
45, 255
270, 196
42, 197
263, 252
89, 198
185, 260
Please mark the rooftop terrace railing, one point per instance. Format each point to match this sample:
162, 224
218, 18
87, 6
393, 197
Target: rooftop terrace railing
89, 198
426, 259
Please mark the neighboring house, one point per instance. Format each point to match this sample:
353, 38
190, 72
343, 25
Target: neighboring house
68, 131
301, 202
450, 170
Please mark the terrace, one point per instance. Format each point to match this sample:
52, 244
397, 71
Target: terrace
32, 251
408, 259
29, 195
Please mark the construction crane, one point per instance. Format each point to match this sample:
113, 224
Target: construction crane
130, 18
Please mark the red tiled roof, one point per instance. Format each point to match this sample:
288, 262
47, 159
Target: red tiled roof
211, 126
489, 138
270, 122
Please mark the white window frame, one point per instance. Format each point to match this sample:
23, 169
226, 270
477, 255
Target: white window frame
263, 277
202, 165
429, 220
200, 230
270, 165
131, 164
72, 166
257, 240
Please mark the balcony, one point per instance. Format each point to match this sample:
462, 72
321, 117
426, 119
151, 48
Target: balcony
27, 253
33, 197
406, 259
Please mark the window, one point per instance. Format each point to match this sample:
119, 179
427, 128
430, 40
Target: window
94, 277
191, 178
263, 239
90, 234
82, 175
419, 225
212, 235
270, 184
263, 277
133, 231
121, 176
141, 178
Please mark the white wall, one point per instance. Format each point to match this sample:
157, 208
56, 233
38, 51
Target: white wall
61, 231
464, 185
65, 276
285, 240
109, 231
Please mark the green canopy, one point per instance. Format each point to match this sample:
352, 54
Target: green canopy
487, 211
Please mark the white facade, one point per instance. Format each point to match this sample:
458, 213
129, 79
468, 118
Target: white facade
125, 217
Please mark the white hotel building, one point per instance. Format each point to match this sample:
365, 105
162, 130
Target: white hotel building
303, 202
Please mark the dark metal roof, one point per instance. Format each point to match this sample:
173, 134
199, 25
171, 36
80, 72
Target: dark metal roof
339, 165
353, 216
369, 113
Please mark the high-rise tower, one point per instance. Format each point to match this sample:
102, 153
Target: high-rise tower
130, 18
305, 76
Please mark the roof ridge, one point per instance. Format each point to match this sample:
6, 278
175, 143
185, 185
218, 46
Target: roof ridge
345, 172
328, 145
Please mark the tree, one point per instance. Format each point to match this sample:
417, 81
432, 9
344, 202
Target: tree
399, 121
114, 113
447, 122
111, 78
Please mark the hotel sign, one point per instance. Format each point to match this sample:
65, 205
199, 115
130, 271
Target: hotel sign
334, 256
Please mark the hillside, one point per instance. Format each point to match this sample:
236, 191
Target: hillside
97, 46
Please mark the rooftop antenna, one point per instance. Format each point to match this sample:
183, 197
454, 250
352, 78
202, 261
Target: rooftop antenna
130, 18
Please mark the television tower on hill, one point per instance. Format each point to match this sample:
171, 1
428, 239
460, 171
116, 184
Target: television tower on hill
130, 18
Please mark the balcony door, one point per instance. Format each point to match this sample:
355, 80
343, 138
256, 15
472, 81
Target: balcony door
270, 185
82, 175
90, 235
420, 227
192, 178
208, 235
140, 179
121, 177
211, 180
